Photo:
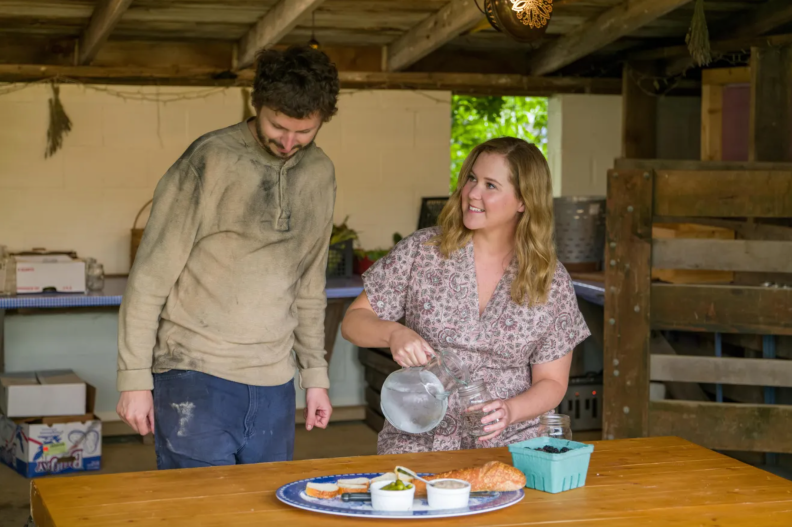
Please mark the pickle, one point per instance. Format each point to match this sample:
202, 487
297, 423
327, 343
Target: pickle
397, 485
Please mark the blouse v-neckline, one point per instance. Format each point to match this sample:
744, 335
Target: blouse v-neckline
471, 258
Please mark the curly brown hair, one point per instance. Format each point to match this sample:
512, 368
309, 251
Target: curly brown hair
298, 82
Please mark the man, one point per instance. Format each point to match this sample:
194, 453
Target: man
230, 277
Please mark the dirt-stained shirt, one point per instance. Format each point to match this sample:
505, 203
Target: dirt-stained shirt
229, 277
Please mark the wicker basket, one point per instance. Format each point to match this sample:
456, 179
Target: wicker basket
137, 235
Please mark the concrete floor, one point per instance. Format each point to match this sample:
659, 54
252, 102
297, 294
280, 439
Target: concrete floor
129, 454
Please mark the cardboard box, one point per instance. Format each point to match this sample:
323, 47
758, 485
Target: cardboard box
42, 394
56, 273
53, 445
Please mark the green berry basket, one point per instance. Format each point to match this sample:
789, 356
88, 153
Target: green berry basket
552, 472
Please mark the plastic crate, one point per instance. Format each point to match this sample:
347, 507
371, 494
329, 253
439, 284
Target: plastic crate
340, 259
552, 472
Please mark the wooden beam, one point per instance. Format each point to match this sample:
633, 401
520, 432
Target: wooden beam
272, 27
453, 19
722, 255
742, 26
106, 15
757, 20
723, 194
492, 84
684, 164
724, 76
722, 309
722, 370
627, 282
724, 426
639, 112
770, 130
678, 390
727, 45
611, 25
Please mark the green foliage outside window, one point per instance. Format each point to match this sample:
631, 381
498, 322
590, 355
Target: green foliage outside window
476, 119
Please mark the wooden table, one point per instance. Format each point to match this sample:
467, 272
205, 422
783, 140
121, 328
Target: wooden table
646, 482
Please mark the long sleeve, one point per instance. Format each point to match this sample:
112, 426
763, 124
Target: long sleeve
309, 335
167, 241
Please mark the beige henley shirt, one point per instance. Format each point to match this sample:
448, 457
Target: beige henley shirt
229, 277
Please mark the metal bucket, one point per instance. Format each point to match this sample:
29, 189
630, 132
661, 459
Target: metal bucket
580, 231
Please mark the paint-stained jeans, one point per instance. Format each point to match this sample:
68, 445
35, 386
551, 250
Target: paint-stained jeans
201, 420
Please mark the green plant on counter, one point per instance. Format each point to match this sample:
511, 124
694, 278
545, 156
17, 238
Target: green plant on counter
342, 233
376, 254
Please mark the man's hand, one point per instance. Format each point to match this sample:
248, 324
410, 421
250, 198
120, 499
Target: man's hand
136, 408
317, 408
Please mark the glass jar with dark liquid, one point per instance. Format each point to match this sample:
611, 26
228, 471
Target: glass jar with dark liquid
474, 397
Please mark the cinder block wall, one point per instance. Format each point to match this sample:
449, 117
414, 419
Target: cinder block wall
390, 148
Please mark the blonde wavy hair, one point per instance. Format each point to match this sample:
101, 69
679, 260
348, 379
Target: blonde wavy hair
534, 244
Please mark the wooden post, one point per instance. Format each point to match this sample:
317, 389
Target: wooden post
639, 111
627, 286
711, 122
771, 104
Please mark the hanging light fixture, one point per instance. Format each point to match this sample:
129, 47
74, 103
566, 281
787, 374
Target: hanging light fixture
313, 43
522, 20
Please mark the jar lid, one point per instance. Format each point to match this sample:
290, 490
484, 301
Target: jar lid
554, 419
473, 386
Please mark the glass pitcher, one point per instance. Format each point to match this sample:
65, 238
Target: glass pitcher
415, 400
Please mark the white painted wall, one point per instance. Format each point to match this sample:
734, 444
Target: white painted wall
584, 137
390, 148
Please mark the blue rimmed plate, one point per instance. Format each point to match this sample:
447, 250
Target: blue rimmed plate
294, 494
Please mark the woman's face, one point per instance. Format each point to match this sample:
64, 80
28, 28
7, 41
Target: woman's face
489, 200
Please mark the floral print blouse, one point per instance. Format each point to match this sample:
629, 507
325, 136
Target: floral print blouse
438, 299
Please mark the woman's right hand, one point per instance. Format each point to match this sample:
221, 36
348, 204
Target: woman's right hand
408, 348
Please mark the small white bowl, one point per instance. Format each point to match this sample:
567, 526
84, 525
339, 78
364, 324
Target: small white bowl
439, 498
391, 500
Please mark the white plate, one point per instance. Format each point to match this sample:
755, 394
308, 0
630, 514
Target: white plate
294, 494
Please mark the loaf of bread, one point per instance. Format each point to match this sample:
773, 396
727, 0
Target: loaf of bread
325, 491
492, 476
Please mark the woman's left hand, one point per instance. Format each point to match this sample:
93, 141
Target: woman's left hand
496, 410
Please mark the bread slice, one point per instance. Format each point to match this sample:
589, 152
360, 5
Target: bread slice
324, 491
353, 485
352, 489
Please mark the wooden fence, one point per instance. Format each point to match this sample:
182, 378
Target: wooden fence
641, 193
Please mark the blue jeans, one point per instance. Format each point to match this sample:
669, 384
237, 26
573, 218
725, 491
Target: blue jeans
201, 421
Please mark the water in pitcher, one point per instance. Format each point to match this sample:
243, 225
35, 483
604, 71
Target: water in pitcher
409, 400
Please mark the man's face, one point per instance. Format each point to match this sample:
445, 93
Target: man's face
282, 135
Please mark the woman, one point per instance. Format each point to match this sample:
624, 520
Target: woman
487, 285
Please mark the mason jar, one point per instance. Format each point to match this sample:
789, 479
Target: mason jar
473, 398
555, 425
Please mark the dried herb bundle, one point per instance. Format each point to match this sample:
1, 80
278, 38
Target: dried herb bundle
59, 123
697, 38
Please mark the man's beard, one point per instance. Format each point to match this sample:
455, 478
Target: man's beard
265, 143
